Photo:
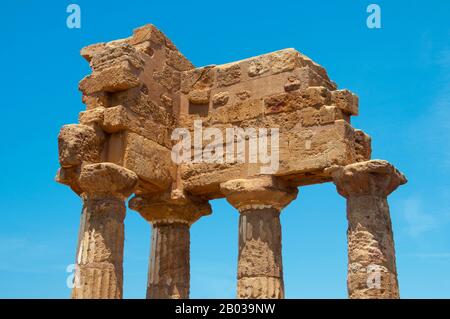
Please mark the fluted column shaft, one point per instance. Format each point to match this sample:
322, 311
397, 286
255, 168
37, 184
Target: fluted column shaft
371, 255
171, 215
100, 249
259, 201
260, 267
372, 269
168, 273
99, 269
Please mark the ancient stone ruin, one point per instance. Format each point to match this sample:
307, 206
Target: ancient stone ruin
141, 89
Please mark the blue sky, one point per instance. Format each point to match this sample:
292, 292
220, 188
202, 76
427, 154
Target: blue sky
400, 72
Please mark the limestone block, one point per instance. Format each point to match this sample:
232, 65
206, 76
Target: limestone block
176, 60
199, 78
115, 119
149, 160
346, 101
199, 96
308, 150
148, 32
113, 79
113, 55
79, 143
91, 116
325, 115
220, 99
95, 100
237, 112
363, 146
228, 75
89, 51
292, 84
169, 78
291, 101
119, 118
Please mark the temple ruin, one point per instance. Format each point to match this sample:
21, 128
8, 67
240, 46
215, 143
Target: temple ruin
141, 89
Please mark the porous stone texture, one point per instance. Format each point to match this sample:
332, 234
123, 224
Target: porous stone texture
99, 269
140, 90
259, 201
284, 90
169, 268
171, 215
260, 268
371, 255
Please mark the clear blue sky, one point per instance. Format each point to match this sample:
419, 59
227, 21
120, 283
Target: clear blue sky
400, 72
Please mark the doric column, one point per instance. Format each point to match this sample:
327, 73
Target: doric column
371, 255
171, 216
99, 272
259, 201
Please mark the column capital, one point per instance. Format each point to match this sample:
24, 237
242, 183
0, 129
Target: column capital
107, 179
374, 177
170, 207
260, 192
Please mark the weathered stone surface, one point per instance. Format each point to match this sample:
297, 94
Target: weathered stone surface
237, 112
363, 146
115, 119
89, 51
117, 78
221, 99
113, 55
96, 100
197, 79
375, 177
171, 215
142, 88
99, 270
346, 101
261, 191
372, 269
91, 116
292, 84
260, 268
259, 201
199, 96
169, 269
150, 161
170, 207
69, 176
150, 33
176, 60
228, 75
107, 178
79, 143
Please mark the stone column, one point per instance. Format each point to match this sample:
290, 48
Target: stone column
259, 201
99, 271
371, 255
171, 216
